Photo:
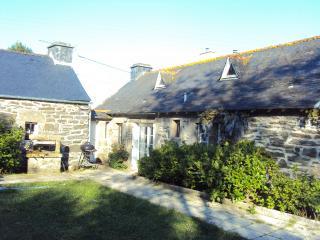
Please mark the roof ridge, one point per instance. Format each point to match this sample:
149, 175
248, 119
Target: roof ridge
24, 53
176, 67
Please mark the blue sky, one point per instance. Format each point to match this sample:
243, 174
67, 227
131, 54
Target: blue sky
161, 33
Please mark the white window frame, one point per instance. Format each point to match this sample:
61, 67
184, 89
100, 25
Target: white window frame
159, 83
200, 134
225, 75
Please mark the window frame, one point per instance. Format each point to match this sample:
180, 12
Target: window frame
32, 127
176, 128
202, 131
225, 74
120, 133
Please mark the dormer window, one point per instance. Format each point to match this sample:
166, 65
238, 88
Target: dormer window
229, 73
160, 84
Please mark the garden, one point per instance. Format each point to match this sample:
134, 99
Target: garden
240, 172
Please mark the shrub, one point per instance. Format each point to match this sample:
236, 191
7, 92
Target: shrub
299, 195
245, 171
10, 152
181, 165
238, 171
118, 157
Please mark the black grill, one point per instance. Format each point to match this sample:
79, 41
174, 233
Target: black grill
87, 147
87, 150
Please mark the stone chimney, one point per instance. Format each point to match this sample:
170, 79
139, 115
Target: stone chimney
60, 52
138, 70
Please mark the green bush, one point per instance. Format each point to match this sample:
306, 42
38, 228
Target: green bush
10, 152
238, 171
299, 195
118, 157
245, 171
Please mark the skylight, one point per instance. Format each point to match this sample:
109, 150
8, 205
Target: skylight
229, 72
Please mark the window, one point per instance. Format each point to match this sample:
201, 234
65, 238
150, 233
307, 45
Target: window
203, 133
229, 72
120, 128
159, 83
106, 130
30, 128
176, 128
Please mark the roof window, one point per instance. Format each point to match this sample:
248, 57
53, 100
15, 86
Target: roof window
159, 83
229, 73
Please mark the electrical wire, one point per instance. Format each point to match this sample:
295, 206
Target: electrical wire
104, 64
95, 61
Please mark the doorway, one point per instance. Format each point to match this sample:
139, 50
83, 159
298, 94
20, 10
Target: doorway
142, 143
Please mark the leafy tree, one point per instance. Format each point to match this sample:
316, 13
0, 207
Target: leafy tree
19, 47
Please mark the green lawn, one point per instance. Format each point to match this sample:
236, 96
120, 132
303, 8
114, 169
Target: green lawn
87, 210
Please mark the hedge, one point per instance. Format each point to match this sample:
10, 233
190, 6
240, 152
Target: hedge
241, 172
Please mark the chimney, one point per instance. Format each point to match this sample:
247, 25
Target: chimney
60, 52
235, 51
138, 70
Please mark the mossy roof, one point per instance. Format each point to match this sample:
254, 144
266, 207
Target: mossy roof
278, 77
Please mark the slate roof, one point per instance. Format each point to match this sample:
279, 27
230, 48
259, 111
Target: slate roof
36, 77
279, 77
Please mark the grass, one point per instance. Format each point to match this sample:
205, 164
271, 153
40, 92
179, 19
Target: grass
87, 210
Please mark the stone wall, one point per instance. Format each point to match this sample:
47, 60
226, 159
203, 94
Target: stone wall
69, 121
289, 139
165, 130
107, 133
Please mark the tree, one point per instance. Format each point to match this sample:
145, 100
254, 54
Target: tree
10, 140
19, 47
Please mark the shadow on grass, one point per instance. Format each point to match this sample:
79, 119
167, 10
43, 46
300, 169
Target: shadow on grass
86, 210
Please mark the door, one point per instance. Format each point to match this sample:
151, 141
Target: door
135, 146
93, 137
146, 140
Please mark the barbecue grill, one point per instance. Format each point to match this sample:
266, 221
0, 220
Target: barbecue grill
85, 161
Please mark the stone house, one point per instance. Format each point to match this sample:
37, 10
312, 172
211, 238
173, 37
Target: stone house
43, 95
269, 95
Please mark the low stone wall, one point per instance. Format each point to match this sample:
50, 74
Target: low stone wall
289, 139
43, 165
69, 121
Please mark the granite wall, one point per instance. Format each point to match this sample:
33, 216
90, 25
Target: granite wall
107, 133
290, 140
68, 121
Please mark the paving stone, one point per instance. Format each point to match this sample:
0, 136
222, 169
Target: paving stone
234, 223
267, 237
248, 233
286, 235
263, 228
